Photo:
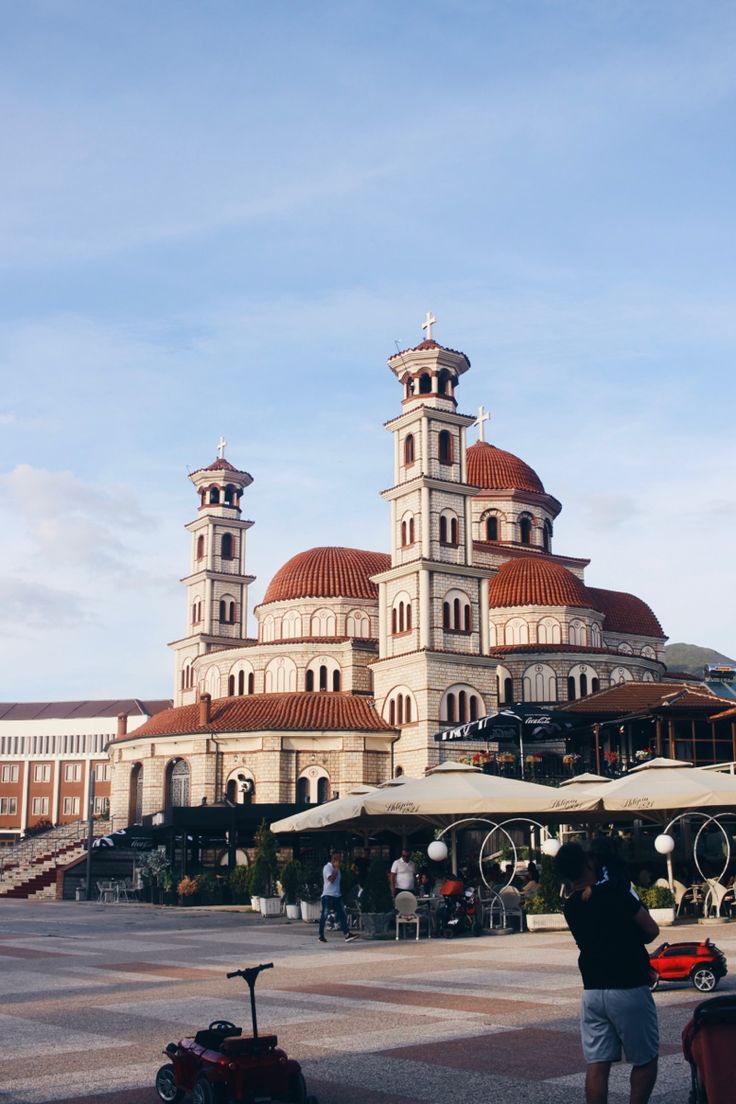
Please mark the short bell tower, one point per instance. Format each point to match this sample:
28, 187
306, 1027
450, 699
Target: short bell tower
217, 583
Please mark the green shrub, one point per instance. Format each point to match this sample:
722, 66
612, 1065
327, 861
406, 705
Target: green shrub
265, 865
312, 882
376, 895
547, 898
656, 897
239, 881
291, 881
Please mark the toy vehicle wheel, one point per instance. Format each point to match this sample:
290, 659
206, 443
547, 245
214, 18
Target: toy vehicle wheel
704, 979
654, 981
297, 1089
166, 1085
206, 1093
223, 1025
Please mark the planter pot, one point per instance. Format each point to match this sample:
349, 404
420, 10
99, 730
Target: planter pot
255, 903
546, 921
270, 906
663, 916
374, 924
293, 912
311, 911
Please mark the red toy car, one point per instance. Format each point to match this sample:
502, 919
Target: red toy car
701, 963
220, 1065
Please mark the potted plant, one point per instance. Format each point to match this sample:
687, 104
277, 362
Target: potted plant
208, 889
265, 868
376, 904
291, 879
660, 900
571, 760
311, 894
544, 909
188, 891
239, 881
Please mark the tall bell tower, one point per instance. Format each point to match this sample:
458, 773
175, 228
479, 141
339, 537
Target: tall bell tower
433, 602
217, 584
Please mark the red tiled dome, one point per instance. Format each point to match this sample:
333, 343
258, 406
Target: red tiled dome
299, 711
624, 613
492, 469
535, 581
221, 464
328, 573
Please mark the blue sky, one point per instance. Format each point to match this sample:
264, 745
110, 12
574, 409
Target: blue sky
218, 218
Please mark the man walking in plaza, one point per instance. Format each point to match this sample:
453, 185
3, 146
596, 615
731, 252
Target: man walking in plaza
332, 899
403, 873
611, 927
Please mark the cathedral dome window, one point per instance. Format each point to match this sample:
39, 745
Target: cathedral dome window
504, 686
358, 624
409, 453
230, 495
547, 535
582, 680
445, 447
313, 786
492, 528
214, 496
425, 384
539, 683
525, 529
323, 673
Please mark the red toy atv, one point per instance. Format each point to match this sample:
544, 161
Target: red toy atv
701, 963
220, 1065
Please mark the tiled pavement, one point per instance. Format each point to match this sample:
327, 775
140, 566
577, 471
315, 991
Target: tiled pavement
91, 994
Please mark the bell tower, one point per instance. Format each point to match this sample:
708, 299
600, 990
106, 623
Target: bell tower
217, 585
433, 601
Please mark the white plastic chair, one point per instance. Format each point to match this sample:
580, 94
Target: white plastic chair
512, 903
405, 904
714, 899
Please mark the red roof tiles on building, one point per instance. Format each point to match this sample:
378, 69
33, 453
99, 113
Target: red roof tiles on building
624, 613
536, 582
644, 697
493, 469
425, 346
297, 712
328, 573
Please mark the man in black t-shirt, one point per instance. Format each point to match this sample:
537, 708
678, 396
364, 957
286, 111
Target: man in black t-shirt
611, 927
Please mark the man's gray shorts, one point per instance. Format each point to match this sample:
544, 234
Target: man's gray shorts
614, 1018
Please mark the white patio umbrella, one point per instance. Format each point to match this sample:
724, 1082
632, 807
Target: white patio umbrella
662, 787
325, 816
584, 779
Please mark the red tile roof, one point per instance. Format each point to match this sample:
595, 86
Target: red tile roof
493, 469
427, 345
624, 613
298, 712
644, 697
328, 573
536, 582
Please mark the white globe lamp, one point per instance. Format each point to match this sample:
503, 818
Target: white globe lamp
437, 851
664, 844
550, 847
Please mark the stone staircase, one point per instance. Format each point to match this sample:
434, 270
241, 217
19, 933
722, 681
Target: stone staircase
28, 869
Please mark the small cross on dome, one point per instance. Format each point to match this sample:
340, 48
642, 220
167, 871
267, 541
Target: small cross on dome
221, 447
428, 323
483, 416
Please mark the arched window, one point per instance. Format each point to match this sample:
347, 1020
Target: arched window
448, 528
214, 496
398, 772
411, 530
409, 449
336, 680
525, 529
425, 384
394, 620
570, 688
492, 528
407, 709
309, 683
583, 686
251, 682
323, 677
302, 791
473, 708
443, 529
461, 707
241, 682
451, 708
231, 612
547, 535
177, 784
226, 548
392, 712
200, 547
223, 611
408, 616
445, 615
595, 685
400, 710
229, 495
508, 690
453, 530
231, 686
241, 788
445, 447
135, 801
404, 535
323, 790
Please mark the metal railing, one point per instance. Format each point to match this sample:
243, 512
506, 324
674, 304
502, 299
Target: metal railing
47, 843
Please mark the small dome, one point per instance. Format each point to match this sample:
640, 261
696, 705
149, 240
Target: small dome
221, 464
624, 613
492, 469
535, 581
328, 573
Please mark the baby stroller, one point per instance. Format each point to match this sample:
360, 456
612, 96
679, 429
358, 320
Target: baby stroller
709, 1043
460, 910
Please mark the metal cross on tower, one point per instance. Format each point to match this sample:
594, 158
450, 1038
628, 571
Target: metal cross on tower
483, 416
428, 323
221, 447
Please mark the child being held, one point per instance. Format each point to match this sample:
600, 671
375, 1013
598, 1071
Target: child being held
610, 868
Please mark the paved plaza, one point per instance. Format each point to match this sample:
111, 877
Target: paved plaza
91, 994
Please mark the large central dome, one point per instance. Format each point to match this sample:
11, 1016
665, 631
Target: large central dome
492, 469
328, 573
533, 581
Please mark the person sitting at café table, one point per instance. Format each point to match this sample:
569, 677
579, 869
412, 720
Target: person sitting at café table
424, 885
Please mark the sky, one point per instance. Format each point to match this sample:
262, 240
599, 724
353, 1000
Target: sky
220, 218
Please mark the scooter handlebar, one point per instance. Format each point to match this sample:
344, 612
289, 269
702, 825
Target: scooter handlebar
252, 970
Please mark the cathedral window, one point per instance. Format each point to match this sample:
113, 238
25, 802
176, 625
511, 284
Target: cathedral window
492, 528
392, 712
302, 791
231, 686
525, 529
411, 530
229, 495
223, 612
473, 708
425, 384
443, 529
226, 549
404, 540
583, 686
214, 496
445, 447
408, 616
409, 449
453, 531
547, 536
461, 707
467, 624
445, 615
251, 683
336, 679
394, 621
508, 690
241, 682
310, 680
200, 547
231, 613
400, 710
451, 708
595, 685
570, 688
323, 790
448, 528
407, 709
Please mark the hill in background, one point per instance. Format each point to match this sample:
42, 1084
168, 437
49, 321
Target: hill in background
691, 658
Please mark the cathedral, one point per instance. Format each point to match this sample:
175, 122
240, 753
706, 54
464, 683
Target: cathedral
361, 656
